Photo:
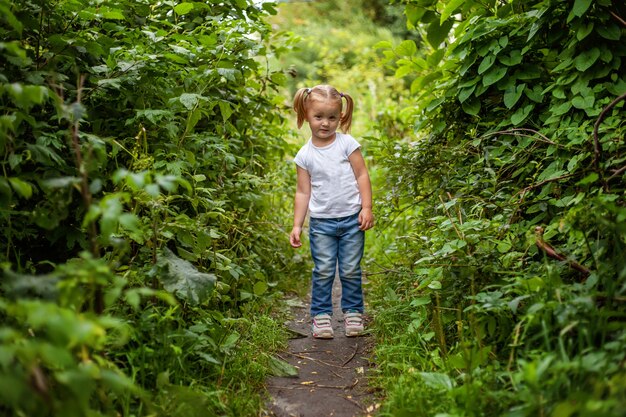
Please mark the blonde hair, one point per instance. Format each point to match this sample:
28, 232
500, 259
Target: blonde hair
323, 92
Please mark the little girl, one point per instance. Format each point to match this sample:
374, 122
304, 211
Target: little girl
334, 186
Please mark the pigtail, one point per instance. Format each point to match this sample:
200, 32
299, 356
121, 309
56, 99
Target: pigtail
346, 117
298, 105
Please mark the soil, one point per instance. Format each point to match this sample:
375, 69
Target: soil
332, 373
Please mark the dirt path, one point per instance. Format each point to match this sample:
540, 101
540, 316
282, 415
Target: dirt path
332, 373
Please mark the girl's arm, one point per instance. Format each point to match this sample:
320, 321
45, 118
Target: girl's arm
366, 217
301, 205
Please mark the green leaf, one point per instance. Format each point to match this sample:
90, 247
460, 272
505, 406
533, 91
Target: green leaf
535, 94
420, 301
586, 59
281, 368
494, 75
21, 187
486, 63
521, 114
230, 342
404, 70
437, 381
561, 109
225, 109
175, 58
583, 31
610, 31
413, 15
10, 17
514, 58
512, 95
465, 93
437, 33
208, 358
259, 288
229, 73
118, 382
383, 45
434, 285
583, 103
471, 106
190, 100
406, 48
589, 179
580, 7
182, 279
183, 8
113, 14
449, 9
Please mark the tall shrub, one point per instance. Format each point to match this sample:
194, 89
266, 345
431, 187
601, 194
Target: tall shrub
509, 182
136, 139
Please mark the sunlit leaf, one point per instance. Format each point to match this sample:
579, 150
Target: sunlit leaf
406, 48
183, 8
22, 188
449, 9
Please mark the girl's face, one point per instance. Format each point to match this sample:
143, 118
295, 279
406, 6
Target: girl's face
323, 117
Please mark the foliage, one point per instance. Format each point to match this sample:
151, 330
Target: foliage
506, 192
326, 51
137, 142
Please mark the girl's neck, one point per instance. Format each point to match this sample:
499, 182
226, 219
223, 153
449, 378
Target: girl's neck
321, 142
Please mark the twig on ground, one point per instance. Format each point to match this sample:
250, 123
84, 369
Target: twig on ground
356, 381
308, 358
355, 403
356, 349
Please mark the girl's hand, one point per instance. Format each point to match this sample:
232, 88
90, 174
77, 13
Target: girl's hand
366, 219
294, 237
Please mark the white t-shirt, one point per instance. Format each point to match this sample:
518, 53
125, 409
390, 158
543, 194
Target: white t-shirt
334, 190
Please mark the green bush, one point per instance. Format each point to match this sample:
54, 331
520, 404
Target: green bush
511, 212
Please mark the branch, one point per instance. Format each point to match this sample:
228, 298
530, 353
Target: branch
617, 172
597, 151
544, 182
514, 132
546, 248
356, 349
619, 19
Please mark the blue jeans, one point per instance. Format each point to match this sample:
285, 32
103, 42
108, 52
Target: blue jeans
336, 244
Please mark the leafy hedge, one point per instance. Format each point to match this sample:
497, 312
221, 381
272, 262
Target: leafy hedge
137, 138
506, 181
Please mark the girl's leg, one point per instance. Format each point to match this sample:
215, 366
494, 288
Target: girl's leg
350, 253
323, 240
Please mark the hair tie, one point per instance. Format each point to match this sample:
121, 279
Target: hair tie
308, 91
341, 94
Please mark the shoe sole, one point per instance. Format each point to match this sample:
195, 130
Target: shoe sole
323, 336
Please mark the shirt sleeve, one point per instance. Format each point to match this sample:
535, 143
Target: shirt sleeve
299, 160
351, 145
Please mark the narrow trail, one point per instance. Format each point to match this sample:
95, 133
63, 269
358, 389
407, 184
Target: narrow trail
332, 373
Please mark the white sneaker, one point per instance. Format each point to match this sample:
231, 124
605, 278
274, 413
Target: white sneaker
322, 327
354, 323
